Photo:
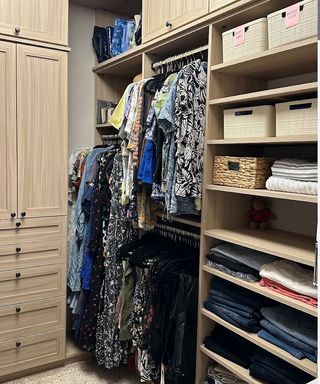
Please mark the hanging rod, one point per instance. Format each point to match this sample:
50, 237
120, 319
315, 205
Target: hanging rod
180, 56
177, 231
110, 137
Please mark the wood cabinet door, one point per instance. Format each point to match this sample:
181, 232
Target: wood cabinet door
8, 160
155, 16
218, 4
186, 11
44, 20
42, 131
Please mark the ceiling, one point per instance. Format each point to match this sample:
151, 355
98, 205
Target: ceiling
124, 7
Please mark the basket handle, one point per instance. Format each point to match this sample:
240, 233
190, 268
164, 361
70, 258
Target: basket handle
234, 165
284, 14
244, 113
245, 29
300, 106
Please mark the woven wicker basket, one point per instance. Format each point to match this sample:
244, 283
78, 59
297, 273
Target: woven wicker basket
242, 172
255, 40
278, 34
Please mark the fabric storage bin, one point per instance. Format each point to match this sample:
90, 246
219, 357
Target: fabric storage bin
241, 172
297, 118
245, 40
292, 24
259, 121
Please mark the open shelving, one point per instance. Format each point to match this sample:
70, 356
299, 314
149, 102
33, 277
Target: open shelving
306, 139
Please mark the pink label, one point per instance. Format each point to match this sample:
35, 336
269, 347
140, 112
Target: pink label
292, 15
239, 35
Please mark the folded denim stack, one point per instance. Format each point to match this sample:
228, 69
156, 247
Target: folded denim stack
217, 374
294, 175
290, 279
236, 305
230, 346
291, 330
238, 261
272, 370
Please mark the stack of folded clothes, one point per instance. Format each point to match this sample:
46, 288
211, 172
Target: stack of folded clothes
238, 261
294, 175
217, 374
291, 330
272, 370
290, 279
236, 305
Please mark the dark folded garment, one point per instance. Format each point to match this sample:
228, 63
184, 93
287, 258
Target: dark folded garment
230, 346
231, 264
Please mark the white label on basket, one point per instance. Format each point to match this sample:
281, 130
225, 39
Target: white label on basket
292, 15
239, 35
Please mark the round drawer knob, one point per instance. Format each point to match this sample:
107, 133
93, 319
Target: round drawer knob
18, 249
18, 224
18, 310
13, 214
17, 29
168, 23
23, 214
18, 344
18, 274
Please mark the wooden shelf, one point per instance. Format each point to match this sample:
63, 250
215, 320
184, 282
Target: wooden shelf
105, 125
256, 287
288, 60
307, 139
275, 95
236, 369
305, 365
265, 193
184, 220
288, 245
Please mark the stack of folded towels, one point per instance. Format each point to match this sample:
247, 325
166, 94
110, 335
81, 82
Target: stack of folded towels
236, 305
238, 261
290, 330
217, 374
294, 175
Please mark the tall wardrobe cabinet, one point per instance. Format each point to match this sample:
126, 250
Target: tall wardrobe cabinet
33, 201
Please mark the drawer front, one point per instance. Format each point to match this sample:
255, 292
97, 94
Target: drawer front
32, 254
29, 284
33, 230
26, 319
28, 352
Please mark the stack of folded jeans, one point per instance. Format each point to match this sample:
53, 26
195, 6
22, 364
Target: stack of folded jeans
230, 346
236, 305
238, 261
217, 374
290, 279
289, 329
273, 370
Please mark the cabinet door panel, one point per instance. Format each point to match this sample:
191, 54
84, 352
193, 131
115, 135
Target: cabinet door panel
185, 11
9, 16
8, 161
155, 16
42, 131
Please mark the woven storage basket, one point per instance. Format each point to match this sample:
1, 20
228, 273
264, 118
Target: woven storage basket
255, 40
297, 118
252, 122
278, 34
241, 172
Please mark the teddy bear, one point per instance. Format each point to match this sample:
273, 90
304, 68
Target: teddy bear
259, 214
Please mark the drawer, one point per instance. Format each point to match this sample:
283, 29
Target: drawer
29, 284
33, 230
28, 352
26, 319
32, 254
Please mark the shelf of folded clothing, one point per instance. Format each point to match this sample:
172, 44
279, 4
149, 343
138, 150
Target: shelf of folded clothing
290, 59
264, 193
305, 139
304, 364
127, 64
288, 245
193, 222
241, 372
275, 95
257, 288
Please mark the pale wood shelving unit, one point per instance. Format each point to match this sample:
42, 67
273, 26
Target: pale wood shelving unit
276, 75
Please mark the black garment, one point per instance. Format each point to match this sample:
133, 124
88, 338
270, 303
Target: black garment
159, 140
101, 40
231, 264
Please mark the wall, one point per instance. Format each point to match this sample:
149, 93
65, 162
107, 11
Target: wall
81, 79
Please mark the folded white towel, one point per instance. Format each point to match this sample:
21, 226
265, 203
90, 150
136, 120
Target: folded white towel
290, 275
294, 186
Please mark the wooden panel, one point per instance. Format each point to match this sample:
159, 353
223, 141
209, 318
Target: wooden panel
128, 8
184, 11
42, 125
33, 230
217, 4
8, 160
26, 319
32, 284
32, 254
9, 16
155, 15
40, 349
